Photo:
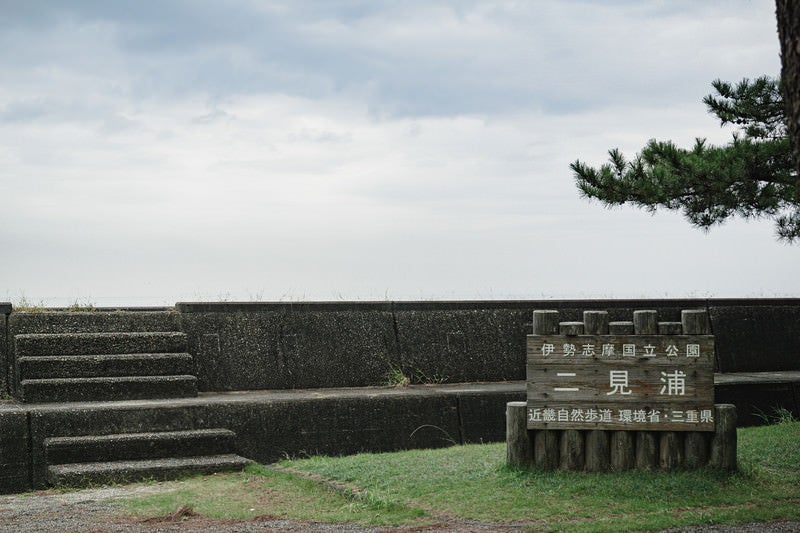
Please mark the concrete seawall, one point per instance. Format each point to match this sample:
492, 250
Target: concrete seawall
269, 424
307, 378
257, 346
300, 345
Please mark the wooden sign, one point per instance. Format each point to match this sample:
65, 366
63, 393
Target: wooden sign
621, 382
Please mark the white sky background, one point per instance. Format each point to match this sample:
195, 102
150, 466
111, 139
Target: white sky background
250, 150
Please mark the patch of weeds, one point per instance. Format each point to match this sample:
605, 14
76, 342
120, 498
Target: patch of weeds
23, 305
779, 415
397, 378
81, 307
424, 379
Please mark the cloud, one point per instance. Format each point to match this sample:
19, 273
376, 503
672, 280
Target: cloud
312, 149
409, 59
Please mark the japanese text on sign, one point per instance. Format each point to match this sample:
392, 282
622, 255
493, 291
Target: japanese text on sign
626, 381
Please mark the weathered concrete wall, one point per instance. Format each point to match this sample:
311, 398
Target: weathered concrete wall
251, 346
239, 347
272, 425
756, 335
460, 343
255, 346
6, 375
14, 445
283, 346
311, 345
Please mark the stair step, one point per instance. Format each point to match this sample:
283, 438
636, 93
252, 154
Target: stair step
39, 344
114, 365
107, 388
133, 446
142, 319
82, 474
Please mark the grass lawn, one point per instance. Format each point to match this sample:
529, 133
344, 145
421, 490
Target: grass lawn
472, 483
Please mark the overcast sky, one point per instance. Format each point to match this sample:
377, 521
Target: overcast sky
154, 152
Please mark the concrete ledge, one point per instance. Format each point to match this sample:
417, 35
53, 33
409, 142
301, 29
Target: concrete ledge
98, 321
749, 378
88, 474
758, 396
38, 344
272, 424
106, 388
135, 446
452, 305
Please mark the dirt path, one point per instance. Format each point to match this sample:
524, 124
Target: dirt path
93, 510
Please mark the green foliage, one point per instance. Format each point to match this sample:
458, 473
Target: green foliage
754, 106
752, 176
396, 377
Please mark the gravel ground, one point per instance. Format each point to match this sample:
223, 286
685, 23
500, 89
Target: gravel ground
89, 511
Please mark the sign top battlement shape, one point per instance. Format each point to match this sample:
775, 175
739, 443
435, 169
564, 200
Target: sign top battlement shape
632, 380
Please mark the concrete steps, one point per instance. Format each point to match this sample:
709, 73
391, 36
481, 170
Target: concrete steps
88, 474
122, 458
108, 389
131, 446
115, 366
36, 344
92, 366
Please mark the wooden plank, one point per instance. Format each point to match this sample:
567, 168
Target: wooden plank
614, 382
587, 348
653, 416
